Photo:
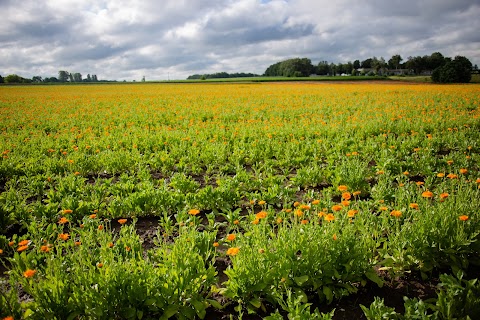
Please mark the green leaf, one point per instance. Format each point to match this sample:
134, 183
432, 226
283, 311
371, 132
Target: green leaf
301, 280
215, 304
169, 312
328, 294
199, 308
372, 276
256, 302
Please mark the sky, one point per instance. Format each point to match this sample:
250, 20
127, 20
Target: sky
172, 39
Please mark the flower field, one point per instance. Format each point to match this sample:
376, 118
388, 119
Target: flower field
268, 199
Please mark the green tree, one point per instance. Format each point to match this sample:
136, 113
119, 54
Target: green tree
1, 79
356, 64
37, 79
322, 68
13, 78
458, 70
77, 77
394, 62
63, 76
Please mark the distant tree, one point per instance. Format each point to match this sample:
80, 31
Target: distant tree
70, 77
51, 79
89, 79
323, 68
435, 60
417, 64
94, 78
366, 63
143, 79
457, 70
37, 79
395, 61
356, 64
291, 68
63, 76
13, 78
1, 79
332, 69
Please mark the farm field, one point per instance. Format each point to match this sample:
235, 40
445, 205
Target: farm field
242, 200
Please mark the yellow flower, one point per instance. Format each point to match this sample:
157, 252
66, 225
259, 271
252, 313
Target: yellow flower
261, 202
64, 236
29, 273
413, 205
63, 220
261, 215
334, 236
233, 251
396, 213
427, 194
193, 212
440, 174
329, 217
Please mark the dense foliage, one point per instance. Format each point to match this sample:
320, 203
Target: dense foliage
302, 192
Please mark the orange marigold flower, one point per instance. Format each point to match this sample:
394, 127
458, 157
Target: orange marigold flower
329, 217
22, 248
440, 174
380, 172
92, 216
29, 273
337, 207
351, 213
193, 212
122, 221
236, 222
304, 221
413, 205
345, 203
305, 207
128, 248
11, 243
78, 243
24, 243
342, 188
406, 173
100, 227
444, 195
99, 265
298, 213
70, 161
396, 213
252, 202
427, 194
279, 220
44, 248
463, 218
231, 237
452, 176
383, 208
256, 221
76, 173
478, 180
216, 244
288, 210
261, 215
1, 251
321, 214
346, 196
334, 236
315, 202
296, 204
261, 202
64, 236
420, 183
63, 220
449, 162
356, 193
233, 251
67, 211
110, 245
8, 318
463, 171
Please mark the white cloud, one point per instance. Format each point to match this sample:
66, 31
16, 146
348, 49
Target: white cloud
120, 39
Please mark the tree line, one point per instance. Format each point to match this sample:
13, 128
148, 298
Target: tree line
63, 76
442, 69
221, 75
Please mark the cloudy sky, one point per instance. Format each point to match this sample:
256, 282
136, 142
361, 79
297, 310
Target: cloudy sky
126, 39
